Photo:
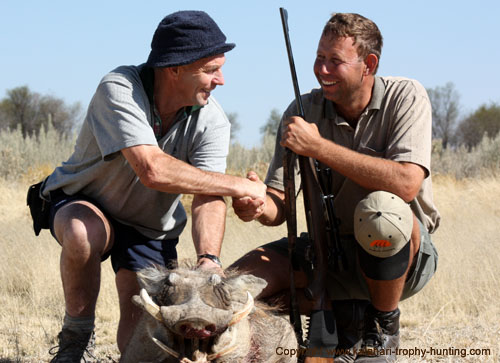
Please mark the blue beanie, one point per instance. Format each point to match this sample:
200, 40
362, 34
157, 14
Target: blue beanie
185, 37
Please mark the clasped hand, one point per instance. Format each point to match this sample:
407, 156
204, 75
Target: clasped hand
300, 136
247, 208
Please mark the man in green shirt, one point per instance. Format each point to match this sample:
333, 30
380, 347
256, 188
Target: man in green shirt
374, 133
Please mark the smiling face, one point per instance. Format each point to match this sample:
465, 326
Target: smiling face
339, 70
198, 79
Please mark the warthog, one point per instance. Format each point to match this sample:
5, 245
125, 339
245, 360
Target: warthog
198, 316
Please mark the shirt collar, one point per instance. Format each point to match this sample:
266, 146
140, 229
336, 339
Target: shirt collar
377, 94
190, 109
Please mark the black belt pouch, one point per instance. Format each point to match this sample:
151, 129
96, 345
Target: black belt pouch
39, 208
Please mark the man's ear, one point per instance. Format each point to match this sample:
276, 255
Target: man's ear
167, 73
371, 63
174, 71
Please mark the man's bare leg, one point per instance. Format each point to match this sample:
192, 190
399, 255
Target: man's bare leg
385, 295
127, 286
85, 235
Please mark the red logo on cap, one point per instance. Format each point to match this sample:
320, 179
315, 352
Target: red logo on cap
381, 243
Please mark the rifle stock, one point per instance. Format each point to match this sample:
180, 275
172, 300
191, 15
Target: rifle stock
317, 229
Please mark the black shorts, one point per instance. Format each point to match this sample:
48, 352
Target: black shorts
131, 250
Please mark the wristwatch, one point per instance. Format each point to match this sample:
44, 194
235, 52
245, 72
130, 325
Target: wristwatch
211, 257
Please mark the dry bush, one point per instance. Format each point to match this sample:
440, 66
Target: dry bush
241, 160
481, 161
32, 157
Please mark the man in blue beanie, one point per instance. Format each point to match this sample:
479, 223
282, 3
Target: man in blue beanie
152, 132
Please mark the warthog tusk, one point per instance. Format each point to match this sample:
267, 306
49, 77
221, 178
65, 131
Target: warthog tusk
221, 353
198, 357
150, 306
237, 316
170, 351
174, 354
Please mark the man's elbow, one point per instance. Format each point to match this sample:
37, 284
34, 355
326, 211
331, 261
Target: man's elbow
410, 191
412, 180
147, 163
150, 176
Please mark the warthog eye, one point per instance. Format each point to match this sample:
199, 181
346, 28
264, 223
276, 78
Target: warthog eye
169, 291
163, 296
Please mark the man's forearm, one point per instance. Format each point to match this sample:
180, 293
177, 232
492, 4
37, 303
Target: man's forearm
208, 224
401, 178
162, 172
274, 212
372, 173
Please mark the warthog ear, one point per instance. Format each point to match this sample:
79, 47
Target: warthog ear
152, 278
242, 283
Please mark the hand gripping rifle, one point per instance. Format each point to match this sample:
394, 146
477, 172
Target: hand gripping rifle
324, 243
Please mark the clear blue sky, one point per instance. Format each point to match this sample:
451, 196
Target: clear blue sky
63, 48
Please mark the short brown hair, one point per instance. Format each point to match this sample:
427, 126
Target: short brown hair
364, 32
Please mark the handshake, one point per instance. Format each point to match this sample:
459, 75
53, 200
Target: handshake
253, 206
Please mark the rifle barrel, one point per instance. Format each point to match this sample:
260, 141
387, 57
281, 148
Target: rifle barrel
284, 21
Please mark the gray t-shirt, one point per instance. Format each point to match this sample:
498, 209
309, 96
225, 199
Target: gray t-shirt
119, 116
396, 125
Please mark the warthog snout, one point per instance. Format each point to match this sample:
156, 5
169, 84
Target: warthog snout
189, 329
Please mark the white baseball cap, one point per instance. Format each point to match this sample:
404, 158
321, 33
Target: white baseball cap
383, 223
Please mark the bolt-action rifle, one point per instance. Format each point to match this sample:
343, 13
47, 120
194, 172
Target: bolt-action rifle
324, 247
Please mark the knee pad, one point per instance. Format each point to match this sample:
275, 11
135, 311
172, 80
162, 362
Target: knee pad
383, 223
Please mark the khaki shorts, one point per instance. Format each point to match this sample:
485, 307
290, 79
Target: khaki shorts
350, 284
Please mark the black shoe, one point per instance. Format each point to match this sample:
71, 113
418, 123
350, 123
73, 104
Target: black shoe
74, 347
380, 337
350, 320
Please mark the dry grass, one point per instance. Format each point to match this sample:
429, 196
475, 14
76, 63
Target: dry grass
30, 289
458, 309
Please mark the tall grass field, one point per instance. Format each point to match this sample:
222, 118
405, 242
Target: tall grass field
455, 318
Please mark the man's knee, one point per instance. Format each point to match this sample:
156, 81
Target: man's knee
384, 229
82, 227
270, 265
253, 260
